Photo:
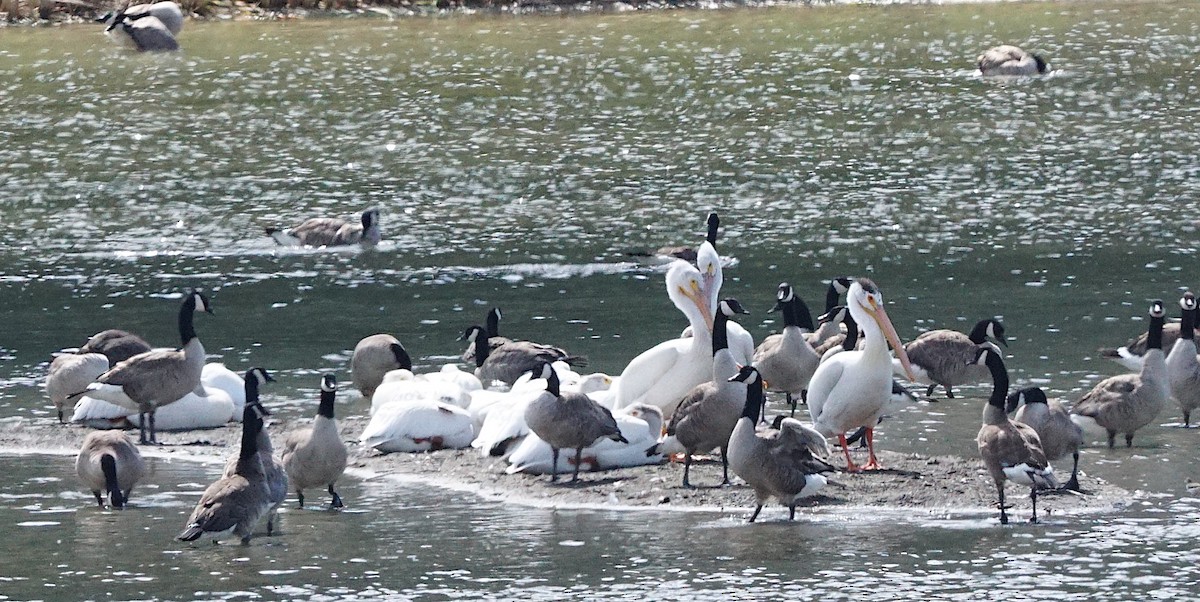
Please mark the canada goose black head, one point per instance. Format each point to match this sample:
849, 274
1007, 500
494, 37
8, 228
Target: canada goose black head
1026, 396
713, 222
1042, 65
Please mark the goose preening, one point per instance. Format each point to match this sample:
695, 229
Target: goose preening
166, 12
509, 361
1130, 354
706, 416
330, 232
778, 462
1183, 367
947, 357
1058, 434
373, 357
786, 360
158, 377
109, 462
852, 388
70, 374
143, 31
316, 456
571, 420
492, 327
1010, 450
1010, 60
663, 374
640, 424
234, 504
833, 295
273, 471
1127, 402
116, 345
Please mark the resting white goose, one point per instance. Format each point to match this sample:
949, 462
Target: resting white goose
640, 424
663, 374
852, 388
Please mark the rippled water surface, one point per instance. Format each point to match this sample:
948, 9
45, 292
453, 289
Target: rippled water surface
517, 162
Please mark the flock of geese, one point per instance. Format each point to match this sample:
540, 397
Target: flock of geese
692, 394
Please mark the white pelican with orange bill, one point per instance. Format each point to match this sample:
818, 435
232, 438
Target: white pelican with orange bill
851, 389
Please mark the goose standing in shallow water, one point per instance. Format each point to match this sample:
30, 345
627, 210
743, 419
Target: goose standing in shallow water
1011, 450
1127, 402
786, 360
569, 420
316, 456
1183, 367
234, 504
273, 472
330, 232
779, 462
373, 357
852, 388
1059, 436
158, 377
108, 461
947, 357
70, 374
1010, 60
1130, 354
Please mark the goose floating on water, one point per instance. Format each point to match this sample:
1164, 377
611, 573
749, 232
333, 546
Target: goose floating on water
330, 232
1010, 60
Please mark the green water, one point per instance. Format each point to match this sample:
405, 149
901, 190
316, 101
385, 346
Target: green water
516, 162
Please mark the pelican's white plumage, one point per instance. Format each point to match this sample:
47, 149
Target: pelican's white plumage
216, 376
188, 413
401, 385
741, 342
418, 425
640, 424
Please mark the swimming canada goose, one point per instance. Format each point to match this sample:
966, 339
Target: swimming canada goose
509, 361
273, 472
786, 360
1010, 60
663, 374
1010, 450
1183, 367
565, 419
492, 326
116, 345
1059, 436
143, 32
1127, 402
233, 505
947, 357
683, 252
158, 377
851, 389
330, 232
316, 456
108, 461
778, 462
373, 357
640, 424
833, 294
167, 12
70, 374
706, 415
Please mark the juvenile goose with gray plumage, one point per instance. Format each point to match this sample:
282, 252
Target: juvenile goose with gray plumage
1128, 402
1183, 367
108, 461
509, 361
1011, 451
568, 420
786, 360
947, 357
330, 232
373, 358
150, 380
273, 472
316, 456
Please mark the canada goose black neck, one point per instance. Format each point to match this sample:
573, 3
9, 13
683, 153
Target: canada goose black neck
187, 330
1187, 325
493, 322
1042, 66
795, 312
831, 297
754, 392
851, 340
481, 345
402, 357
995, 365
252, 423
713, 223
979, 333
328, 395
552, 383
720, 338
1154, 334
108, 465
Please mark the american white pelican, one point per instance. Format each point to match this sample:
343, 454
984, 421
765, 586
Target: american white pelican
947, 357
741, 342
851, 389
418, 425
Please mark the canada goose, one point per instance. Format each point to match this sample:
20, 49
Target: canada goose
316, 456
1127, 402
833, 294
947, 357
330, 232
1130, 354
1010, 60
683, 252
220, 404
852, 388
273, 472
706, 415
1059, 436
1183, 367
159, 376
509, 361
568, 419
779, 462
786, 360
233, 505
640, 424
143, 32
846, 339
375, 356
167, 12
109, 461
1010, 450
70, 374
663, 374
116, 345
492, 326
